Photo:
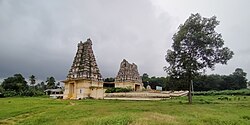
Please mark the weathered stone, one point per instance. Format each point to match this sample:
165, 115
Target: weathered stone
84, 79
128, 76
84, 64
128, 73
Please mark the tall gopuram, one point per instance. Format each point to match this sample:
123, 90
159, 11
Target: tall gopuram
84, 78
128, 76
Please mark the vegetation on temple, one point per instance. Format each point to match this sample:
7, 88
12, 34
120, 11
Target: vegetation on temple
196, 46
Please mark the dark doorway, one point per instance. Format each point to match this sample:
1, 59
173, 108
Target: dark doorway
137, 87
108, 85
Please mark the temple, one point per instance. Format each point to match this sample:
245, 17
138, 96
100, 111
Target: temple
128, 76
85, 80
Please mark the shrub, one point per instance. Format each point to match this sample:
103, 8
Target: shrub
10, 93
118, 89
28, 92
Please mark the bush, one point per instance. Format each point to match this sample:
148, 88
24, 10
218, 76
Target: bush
118, 89
10, 93
28, 92
110, 90
31, 92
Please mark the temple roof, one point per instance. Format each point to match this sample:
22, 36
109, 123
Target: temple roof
84, 64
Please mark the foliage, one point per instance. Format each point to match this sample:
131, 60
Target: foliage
16, 83
236, 80
196, 46
145, 79
41, 86
118, 89
9, 93
17, 86
109, 80
32, 80
28, 92
207, 110
50, 82
1, 89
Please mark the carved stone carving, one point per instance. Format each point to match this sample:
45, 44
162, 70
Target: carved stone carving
128, 73
84, 65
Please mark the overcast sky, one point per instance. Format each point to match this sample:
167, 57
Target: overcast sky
40, 37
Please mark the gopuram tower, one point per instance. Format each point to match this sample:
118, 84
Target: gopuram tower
84, 78
128, 76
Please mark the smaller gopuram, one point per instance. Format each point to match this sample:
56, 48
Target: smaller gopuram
84, 78
128, 76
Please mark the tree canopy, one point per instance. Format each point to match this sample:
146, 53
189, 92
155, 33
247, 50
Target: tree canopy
196, 46
16, 83
32, 80
50, 82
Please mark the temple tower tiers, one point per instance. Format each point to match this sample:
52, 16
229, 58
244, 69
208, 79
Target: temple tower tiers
84, 65
128, 73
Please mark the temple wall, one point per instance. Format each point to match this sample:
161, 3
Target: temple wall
83, 89
129, 85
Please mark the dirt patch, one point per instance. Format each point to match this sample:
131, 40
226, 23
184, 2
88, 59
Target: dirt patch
155, 118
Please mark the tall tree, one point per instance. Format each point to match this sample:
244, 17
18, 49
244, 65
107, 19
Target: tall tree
32, 80
145, 79
240, 78
196, 46
51, 82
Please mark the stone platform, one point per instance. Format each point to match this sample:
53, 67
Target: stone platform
145, 95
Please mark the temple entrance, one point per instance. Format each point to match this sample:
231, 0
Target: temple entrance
137, 87
71, 90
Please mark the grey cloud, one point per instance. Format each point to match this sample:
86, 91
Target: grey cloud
40, 37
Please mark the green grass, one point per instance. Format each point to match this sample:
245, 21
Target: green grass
243, 92
207, 110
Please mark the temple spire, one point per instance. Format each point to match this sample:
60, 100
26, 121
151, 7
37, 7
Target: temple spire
84, 64
128, 72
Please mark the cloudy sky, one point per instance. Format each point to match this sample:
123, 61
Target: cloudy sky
40, 37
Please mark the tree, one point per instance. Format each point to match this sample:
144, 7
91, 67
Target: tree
196, 46
32, 80
43, 86
51, 82
1, 89
16, 83
109, 79
145, 79
239, 77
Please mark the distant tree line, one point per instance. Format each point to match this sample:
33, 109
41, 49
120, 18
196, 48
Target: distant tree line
17, 86
235, 81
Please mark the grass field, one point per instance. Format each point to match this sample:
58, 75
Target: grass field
208, 110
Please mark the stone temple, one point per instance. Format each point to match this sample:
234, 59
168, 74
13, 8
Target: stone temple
128, 76
85, 80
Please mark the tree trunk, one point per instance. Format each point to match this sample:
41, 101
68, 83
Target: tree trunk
190, 92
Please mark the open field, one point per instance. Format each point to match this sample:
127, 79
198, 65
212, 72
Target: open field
208, 110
